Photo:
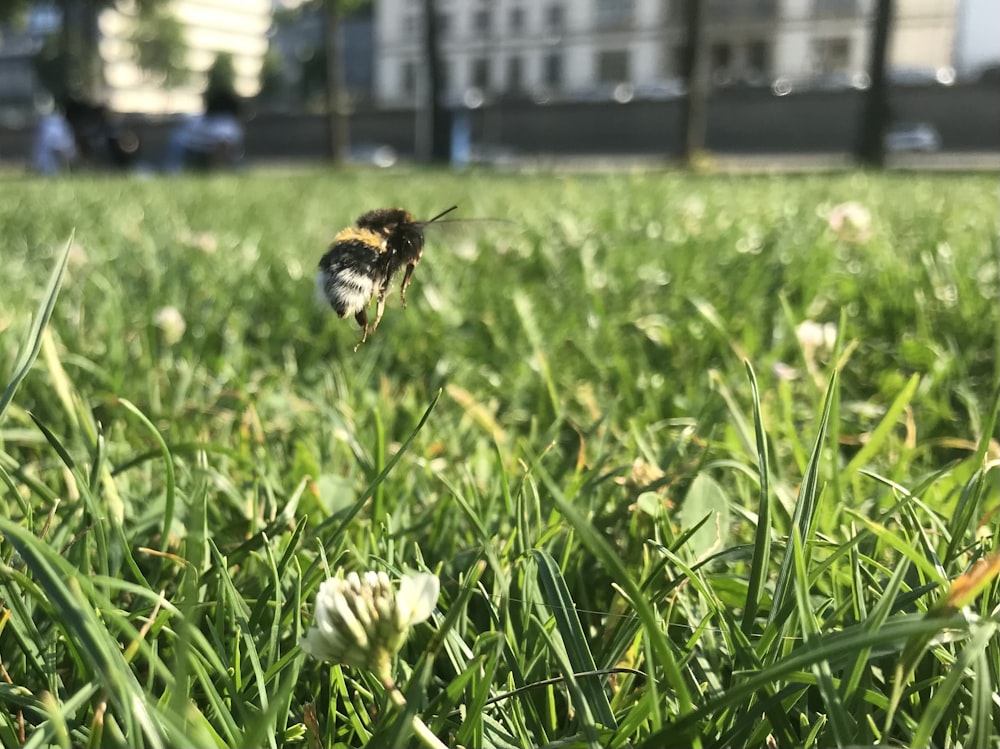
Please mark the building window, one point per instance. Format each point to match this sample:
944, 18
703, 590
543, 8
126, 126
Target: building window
678, 56
515, 75
721, 60
675, 12
831, 55
759, 58
727, 11
553, 71
481, 73
408, 75
409, 25
446, 75
516, 20
612, 66
835, 8
443, 21
555, 18
614, 14
764, 10
481, 23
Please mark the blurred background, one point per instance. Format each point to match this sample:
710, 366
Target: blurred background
499, 81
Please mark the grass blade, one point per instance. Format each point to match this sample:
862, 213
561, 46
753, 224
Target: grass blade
883, 430
890, 639
344, 518
168, 468
653, 632
762, 534
29, 352
941, 702
561, 604
66, 591
841, 723
806, 507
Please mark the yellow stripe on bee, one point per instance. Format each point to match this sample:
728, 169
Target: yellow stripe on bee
367, 236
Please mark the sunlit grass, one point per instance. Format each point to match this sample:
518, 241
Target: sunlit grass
608, 424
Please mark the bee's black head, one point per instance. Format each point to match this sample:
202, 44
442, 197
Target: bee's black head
408, 241
404, 237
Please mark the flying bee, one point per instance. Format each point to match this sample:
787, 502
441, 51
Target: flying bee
363, 259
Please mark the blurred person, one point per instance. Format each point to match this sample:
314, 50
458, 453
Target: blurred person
208, 141
100, 141
54, 148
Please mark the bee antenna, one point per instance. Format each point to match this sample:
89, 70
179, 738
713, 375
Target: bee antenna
443, 214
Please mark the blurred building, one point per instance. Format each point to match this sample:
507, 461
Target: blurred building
209, 27
977, 32
599, 49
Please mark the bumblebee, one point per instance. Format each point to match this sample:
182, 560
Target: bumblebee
363, 259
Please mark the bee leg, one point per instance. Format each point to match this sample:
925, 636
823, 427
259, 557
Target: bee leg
362, 318
380, 306
406, 282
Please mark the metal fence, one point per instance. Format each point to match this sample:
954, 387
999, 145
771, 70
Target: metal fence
749, 121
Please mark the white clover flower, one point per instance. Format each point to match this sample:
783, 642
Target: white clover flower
784, 371
204, 241
77, 257
816, 340
362, 621
815, 337
171, 322
851, 222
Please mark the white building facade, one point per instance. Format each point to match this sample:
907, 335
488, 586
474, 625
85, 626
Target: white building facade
584, 48
977, 35
211, 27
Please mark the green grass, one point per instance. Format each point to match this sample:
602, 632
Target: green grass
596, 424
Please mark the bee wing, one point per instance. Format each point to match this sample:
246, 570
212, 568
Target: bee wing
452, 227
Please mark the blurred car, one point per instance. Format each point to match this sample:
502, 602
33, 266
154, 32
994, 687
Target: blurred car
988, 75
372, 154
944, 76
912, 136
663, 90
492, 155
835, 81
622, 93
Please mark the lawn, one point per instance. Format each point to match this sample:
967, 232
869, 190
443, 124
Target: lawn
697, 460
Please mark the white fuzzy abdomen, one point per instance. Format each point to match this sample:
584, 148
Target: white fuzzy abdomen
347, 291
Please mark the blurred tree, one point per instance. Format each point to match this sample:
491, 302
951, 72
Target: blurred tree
69, 63
336, 96
13, 11
318, 69
81, 74
272, 78
439, 125
221, 76
694, 112
312, 75
159, 45
50, 67
870, 149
